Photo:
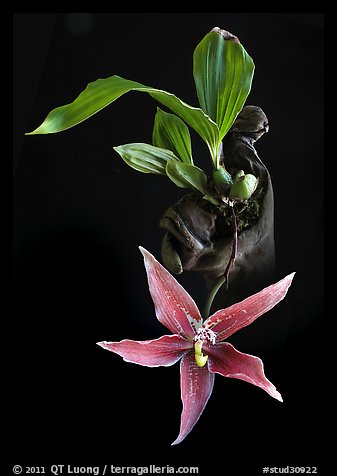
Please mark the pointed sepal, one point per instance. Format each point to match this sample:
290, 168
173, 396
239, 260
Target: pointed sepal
165, 351
173, 305
196, 388
226, 322
225, 360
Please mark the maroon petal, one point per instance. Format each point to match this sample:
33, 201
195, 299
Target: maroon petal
174, 306
228, 321
166, 350
196, 388
225, 360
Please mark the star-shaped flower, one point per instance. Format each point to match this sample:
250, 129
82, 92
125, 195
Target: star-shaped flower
196, 343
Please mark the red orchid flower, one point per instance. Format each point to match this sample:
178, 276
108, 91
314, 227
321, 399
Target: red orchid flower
196, 343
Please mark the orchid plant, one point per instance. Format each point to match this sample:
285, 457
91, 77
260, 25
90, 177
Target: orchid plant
223, 73
200, 345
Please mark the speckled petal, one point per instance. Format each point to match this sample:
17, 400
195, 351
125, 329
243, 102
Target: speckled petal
225, 360
174, 306
166, 350
196, 388
230, 320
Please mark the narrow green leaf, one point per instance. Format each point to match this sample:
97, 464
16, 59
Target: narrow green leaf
223, 73
170, 132
103, 92
187, 176
146, 158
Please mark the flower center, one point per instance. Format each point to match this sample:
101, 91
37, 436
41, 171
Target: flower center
203, 335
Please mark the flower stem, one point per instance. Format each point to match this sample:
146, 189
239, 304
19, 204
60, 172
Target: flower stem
225, 277
211, 296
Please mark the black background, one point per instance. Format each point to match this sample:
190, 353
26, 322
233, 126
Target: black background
80, 214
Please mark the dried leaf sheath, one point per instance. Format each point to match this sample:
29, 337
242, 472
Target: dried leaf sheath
198, 237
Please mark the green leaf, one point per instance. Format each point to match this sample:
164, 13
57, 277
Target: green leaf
170, 132
223, 73
146, 158
103, 92
187, 176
